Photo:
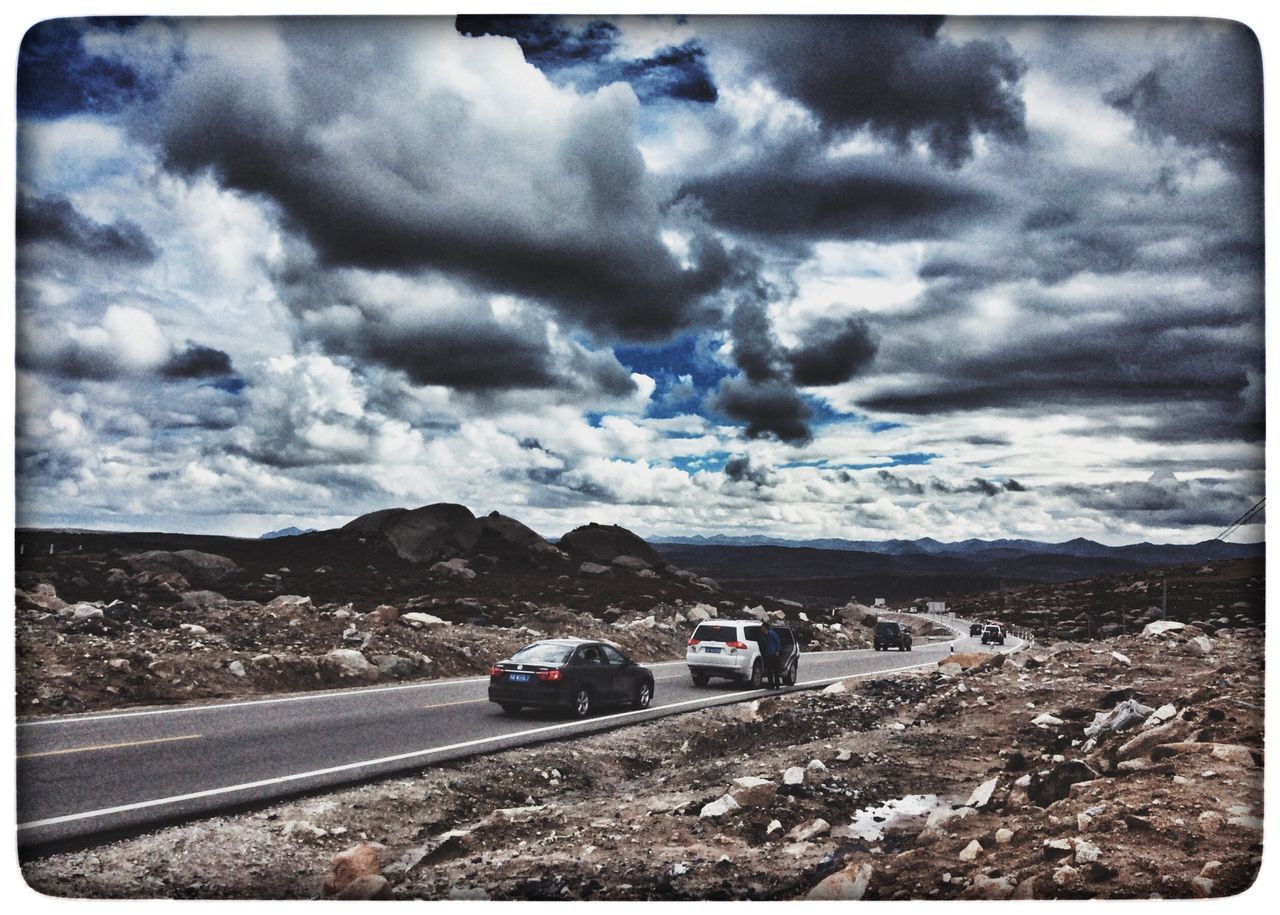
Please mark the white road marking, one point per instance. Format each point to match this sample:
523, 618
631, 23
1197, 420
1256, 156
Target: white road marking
417, 754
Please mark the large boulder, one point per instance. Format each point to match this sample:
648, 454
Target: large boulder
193, 565
428, 534
512, 531
603, 543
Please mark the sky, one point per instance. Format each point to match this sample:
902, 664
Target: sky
802, 277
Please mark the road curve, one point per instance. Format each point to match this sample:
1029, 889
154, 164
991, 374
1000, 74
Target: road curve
91, 777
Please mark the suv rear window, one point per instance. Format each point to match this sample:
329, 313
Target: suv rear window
706, 633
891, 628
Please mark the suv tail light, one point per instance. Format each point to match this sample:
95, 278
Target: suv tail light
496, 671
736, 644
694, 641
548, 675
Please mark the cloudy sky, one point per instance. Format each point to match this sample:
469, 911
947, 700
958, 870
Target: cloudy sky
862, 278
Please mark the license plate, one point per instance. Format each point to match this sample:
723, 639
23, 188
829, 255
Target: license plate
711, 650
519, 678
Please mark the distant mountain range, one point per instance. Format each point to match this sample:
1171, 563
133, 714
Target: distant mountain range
987, 550
286, 532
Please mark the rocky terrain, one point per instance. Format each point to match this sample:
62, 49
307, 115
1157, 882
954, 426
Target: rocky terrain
115, 620
1211, 596
1123, 768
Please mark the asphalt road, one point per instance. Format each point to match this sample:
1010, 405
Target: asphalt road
90, 777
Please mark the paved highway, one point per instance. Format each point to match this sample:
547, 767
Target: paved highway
91, 776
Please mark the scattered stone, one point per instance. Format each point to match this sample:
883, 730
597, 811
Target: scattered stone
236, 668
971, 851
1086, 852
848, 884
811, 830
417, 620
359, 861
592, 568
348, 660
982, 794
719, 807
1160, 627
793, 776
1004, 835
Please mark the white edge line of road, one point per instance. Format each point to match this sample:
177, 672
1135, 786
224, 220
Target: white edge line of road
300, 697
348, 767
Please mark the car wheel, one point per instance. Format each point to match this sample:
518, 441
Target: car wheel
510, 708
644, 695
757, 674
908, 646
789, 678
701, 679
581, 702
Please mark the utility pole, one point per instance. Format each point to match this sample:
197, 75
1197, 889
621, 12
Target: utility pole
1164, 603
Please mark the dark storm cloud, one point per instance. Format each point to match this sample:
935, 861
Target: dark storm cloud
197, 361
770, 409
798, 192
836, 351
755, 349
1207, 97
894, 75
977, 486
581, 234
585, 57
1209, 502
55, 219
897, 484
740, 470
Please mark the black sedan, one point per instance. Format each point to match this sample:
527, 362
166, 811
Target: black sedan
572, 674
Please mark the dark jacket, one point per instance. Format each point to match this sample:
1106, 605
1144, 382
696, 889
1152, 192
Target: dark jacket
770, 643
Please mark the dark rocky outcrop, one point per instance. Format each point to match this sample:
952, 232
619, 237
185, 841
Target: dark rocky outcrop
428, 534
193, 565
604, 543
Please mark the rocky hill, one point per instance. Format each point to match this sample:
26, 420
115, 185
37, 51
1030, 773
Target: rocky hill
106, 620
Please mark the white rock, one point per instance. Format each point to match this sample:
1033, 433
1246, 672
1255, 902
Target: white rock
1121, 658
837, 687
1086, 852
1004, 836
348, 659
982, 794
811, 830
1045, 719
971, 851
816, 765
193, 629
1160, 627
1160, 715
774, 826
718, 808
793, 776
848, 884
236, 669
417, 620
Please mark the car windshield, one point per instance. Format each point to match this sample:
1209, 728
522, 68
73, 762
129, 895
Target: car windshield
543, 653
705, 633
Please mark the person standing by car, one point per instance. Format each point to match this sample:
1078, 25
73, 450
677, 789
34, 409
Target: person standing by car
770, 650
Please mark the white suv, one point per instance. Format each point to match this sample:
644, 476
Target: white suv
731, 649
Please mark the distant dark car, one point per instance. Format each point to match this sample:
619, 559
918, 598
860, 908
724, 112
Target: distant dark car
892, 635
992, 634
571, 674
975, 629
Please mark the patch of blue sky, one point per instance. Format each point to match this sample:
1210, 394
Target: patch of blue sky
885, 426
913, 458
712, 461
686, 369
58, 77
